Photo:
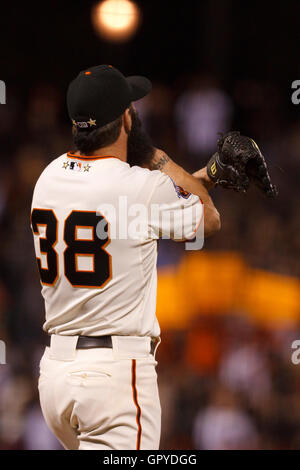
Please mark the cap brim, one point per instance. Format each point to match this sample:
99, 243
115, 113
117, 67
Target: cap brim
140, 87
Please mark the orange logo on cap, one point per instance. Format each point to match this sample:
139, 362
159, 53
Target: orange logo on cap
88, 72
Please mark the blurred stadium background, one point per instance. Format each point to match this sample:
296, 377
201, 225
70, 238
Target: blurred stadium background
229, 313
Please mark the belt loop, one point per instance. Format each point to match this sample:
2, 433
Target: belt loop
131, 347
158, 341
63, 348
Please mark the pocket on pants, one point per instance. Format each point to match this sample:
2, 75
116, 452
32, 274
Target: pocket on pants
89, 374
88, 377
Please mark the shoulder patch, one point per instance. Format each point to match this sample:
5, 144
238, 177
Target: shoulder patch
180, 191
76, 166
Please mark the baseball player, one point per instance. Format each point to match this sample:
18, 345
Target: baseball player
98, 384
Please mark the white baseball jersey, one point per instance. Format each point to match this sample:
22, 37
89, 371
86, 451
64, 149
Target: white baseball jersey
95, 237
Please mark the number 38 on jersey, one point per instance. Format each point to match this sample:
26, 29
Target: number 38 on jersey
86, 263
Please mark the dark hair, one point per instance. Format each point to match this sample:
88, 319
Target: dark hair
89, 141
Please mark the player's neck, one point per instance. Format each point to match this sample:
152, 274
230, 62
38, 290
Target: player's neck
110, 151
118, 149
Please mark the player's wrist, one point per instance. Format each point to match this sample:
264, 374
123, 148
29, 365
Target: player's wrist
203, 176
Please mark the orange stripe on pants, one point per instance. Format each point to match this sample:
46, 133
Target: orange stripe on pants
138, 408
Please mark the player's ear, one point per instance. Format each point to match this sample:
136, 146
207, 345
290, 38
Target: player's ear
127, 121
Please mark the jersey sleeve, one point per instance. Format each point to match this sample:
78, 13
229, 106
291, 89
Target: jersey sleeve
173, 212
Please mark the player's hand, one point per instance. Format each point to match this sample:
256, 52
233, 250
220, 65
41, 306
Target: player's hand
237, 163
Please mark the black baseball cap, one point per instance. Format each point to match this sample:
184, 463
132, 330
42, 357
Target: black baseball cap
99, 95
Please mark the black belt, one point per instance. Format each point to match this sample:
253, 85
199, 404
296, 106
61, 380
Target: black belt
91, 342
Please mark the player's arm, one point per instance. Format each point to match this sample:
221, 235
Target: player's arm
196, 184
204, 178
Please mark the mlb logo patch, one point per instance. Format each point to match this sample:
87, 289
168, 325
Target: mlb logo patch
76, 166
82, 124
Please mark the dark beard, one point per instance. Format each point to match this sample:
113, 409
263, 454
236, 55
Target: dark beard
140, 150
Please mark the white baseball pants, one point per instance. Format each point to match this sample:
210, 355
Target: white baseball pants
101, 398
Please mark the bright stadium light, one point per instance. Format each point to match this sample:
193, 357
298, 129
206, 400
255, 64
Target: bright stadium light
116, 20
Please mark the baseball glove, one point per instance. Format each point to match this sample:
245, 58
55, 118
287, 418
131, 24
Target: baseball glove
237, 163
